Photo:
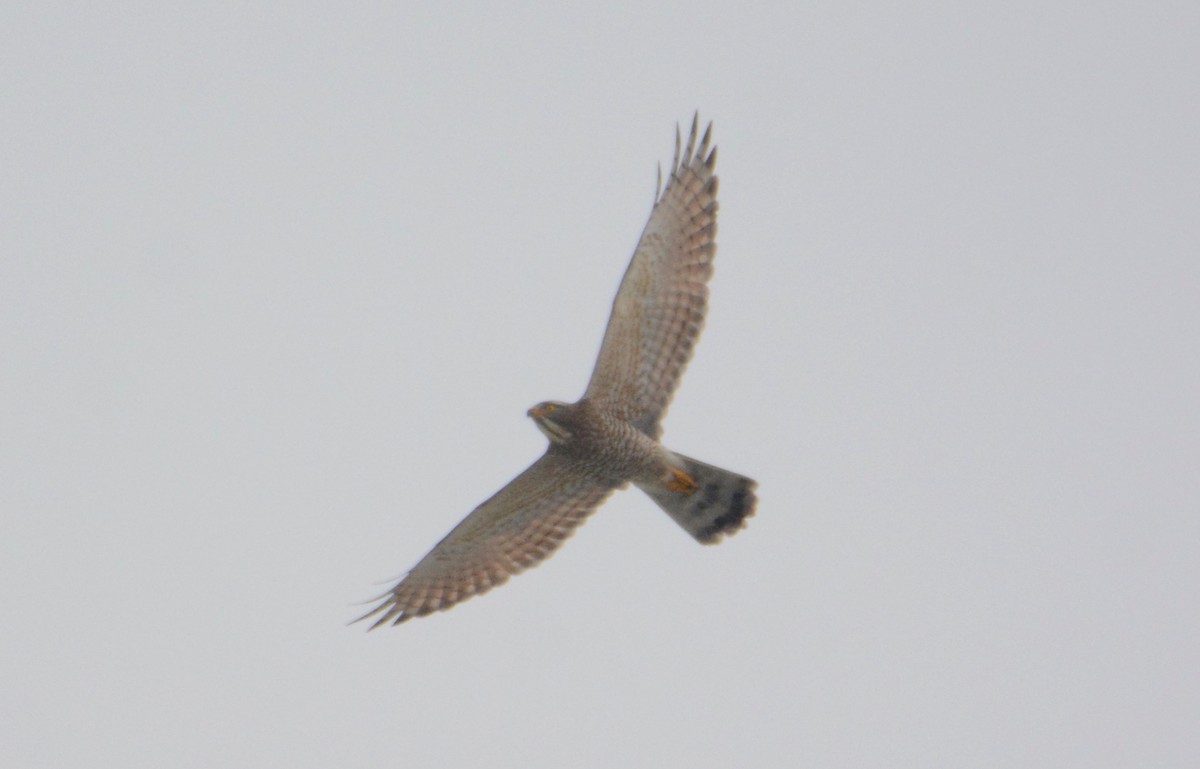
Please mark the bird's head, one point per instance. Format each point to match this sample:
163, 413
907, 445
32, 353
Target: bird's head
555, 419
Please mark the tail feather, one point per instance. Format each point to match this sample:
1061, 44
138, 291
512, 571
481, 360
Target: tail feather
718, 504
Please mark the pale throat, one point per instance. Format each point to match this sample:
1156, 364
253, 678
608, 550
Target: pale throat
555, 432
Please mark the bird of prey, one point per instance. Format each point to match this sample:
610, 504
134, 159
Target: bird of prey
609, 437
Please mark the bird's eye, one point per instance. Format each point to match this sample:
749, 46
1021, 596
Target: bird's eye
549, 407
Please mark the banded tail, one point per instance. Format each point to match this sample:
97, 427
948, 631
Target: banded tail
718, 504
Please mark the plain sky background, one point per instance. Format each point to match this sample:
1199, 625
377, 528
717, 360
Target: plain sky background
278, 282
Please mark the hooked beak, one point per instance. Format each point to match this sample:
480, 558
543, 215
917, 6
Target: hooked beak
552, 430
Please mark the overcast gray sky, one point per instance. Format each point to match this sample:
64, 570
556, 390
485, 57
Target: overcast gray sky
278, 283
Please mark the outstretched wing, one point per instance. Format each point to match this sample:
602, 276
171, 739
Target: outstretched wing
659, 309
518, 527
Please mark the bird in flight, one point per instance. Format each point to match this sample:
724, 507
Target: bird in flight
609, 438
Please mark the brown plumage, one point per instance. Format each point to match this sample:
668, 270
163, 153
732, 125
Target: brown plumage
609, 438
